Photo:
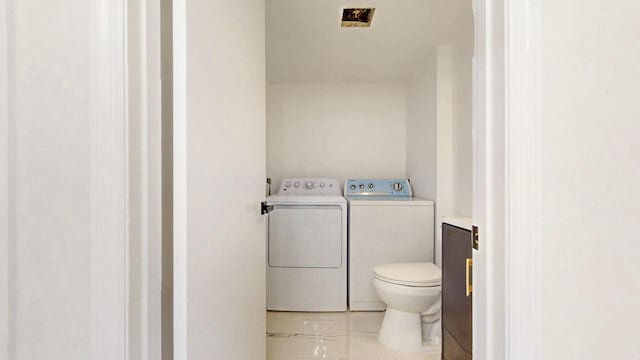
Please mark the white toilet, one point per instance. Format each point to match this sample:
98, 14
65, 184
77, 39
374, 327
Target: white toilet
412, 292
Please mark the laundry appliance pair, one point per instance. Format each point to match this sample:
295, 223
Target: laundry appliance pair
376, 241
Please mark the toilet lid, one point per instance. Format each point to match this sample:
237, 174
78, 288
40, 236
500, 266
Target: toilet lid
409, 274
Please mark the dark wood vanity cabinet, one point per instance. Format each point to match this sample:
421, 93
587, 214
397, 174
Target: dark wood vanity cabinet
456, 305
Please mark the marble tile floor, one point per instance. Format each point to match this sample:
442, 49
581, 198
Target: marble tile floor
334, 336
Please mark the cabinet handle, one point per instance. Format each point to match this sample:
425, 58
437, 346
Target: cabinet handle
469, 287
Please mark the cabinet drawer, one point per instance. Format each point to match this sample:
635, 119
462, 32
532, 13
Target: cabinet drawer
456, 306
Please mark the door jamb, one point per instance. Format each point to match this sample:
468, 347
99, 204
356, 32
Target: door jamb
525, 178
109, 156
110, 182
144, 108
6, 129
508, 179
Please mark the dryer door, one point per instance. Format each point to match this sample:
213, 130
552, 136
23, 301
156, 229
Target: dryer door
305, 236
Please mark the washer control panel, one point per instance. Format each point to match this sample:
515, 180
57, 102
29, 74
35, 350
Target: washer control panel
384, 188
310, 187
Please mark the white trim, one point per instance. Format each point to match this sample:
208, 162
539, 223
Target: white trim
109, 182
493, 237
482, 334
180, 180
4, 183
144, 86
524, 174
507, 180
137, 184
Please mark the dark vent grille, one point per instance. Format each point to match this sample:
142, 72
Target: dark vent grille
357, 17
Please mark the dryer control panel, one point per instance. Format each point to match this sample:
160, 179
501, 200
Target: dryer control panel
379, 188
310, 187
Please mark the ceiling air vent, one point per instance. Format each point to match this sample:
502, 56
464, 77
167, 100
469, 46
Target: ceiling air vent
357, 17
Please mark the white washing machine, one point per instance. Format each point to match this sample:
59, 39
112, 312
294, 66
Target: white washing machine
386, 225
307, 246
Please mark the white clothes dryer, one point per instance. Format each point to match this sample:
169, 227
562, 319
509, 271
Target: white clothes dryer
307, 246
386, 225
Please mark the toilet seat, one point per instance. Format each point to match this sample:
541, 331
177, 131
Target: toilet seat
409, 274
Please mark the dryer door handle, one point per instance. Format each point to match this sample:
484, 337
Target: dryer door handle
265, 208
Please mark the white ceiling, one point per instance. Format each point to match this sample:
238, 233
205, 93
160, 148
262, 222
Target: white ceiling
305, 43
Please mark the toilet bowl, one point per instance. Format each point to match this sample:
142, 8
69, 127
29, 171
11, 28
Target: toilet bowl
412, 293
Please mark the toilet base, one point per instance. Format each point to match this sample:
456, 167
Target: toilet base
403, 330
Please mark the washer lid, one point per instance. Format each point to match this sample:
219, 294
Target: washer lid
409, 274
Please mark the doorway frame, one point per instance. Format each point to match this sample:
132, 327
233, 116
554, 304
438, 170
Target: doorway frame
144, 94
125, 198
6, 320
110, 263
508, 179
507, 173
109, 270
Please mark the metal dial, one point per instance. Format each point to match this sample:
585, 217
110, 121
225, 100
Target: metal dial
397, 186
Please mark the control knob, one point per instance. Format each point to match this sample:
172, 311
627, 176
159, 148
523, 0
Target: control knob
353, 187
308, 185
397, 186
361, 186
370, 185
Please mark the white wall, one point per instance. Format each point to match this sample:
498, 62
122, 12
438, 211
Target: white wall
50, 174
454, 135
422, 129
422, 138
439, 129
454, 130
591, 176
338, 131
219, 179
462, 126
445, 160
